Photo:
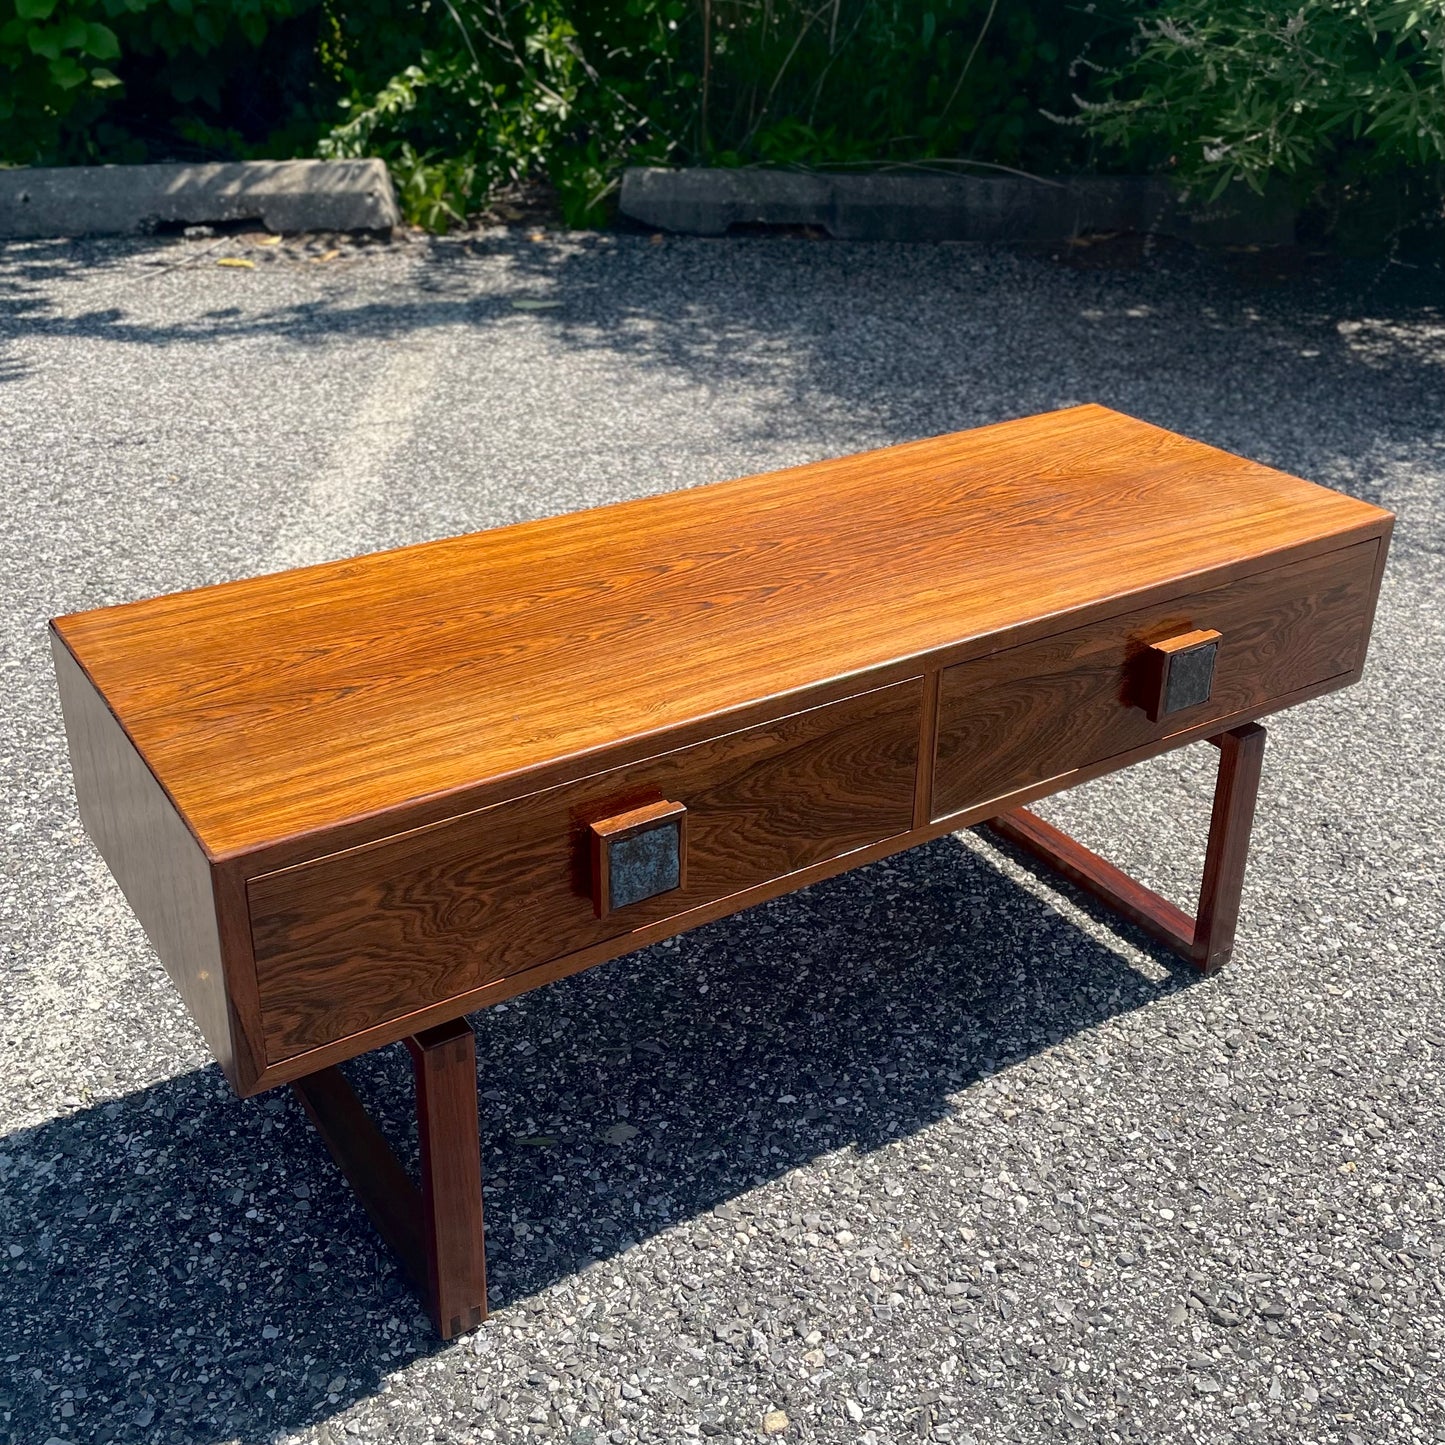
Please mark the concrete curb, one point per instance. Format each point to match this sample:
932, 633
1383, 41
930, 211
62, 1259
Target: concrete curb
913, 206
128, 200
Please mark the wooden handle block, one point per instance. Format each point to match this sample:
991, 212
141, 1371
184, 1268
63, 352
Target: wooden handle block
637, 855
1181, 672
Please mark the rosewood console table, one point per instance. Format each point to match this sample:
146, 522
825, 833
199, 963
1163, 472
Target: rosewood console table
355, 802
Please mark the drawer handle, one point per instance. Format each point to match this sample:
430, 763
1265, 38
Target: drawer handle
637, 855
1181, 673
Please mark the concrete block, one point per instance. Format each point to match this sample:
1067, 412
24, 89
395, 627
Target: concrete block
127, 200
926, 206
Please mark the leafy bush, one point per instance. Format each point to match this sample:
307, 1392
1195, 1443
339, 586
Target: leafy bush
575, 88
461, 96
497, 92
1318, 90
131, 80
51, 66
869, 81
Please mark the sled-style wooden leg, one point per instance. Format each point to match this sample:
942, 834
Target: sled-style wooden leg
436, 1230
1207, 939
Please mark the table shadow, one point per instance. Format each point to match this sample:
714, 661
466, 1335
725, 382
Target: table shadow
192, 1267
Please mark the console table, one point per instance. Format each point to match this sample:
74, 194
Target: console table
355, 802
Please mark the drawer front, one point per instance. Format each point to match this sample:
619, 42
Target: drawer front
1020, 717
374, 933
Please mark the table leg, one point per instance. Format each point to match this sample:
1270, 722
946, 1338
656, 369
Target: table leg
444, 1060
1207, 939
1241, 757
436, 1230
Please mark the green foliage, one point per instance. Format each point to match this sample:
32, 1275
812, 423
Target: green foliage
52, 65
1319, 90
497, 90
874, 81
124, 79
500, 90
463, 96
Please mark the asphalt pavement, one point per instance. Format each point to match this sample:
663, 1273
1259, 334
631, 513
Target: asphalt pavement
925, 1152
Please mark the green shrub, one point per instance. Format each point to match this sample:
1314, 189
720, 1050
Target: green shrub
496, 92
51, 67
869, 81
130, 80
576, 88
460, 96
1322, 91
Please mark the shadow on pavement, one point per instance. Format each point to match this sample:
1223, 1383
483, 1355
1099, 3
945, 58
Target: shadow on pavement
192, 1268
977, 334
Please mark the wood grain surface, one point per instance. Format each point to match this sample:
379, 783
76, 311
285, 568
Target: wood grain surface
1029, 713
499, 990
444, 1060
150, 852
1241, 760
281, 707
374, 933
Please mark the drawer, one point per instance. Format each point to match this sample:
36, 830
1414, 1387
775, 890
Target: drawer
1020, 717
371, 934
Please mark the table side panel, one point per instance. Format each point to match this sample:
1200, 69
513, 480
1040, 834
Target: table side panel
161, 870
353, 939
1021, 716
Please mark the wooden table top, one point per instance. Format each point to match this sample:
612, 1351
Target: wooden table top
280, 705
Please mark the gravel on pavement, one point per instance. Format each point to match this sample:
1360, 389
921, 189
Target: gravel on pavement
926, 1152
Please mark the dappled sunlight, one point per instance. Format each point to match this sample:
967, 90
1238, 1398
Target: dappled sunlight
1417, 342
